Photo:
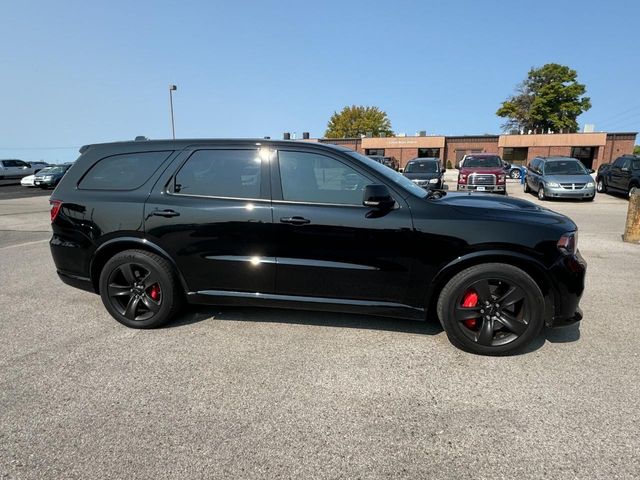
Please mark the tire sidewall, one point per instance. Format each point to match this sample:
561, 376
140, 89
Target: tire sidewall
458, 285
165, 281
541, 195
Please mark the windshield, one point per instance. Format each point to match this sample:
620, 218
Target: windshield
488, 162
422, 167
391, 174
568, 167
51, 170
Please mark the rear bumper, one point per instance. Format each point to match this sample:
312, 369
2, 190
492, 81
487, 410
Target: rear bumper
569, 273
76, 281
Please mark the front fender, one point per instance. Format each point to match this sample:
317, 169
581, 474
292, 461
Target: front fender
531, 266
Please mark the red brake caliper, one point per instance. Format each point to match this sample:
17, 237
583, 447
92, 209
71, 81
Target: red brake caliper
470, 300
154, 293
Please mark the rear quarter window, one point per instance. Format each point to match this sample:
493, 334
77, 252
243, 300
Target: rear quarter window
123, 172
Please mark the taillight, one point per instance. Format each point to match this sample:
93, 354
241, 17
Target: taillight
55, 208
568, 243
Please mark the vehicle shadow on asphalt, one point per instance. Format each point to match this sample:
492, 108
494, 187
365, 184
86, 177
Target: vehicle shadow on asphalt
196, 313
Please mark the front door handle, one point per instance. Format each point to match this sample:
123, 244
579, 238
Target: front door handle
165, 213
295, 220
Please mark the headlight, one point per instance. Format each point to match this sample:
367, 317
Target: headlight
568, 243
552, 184
591, 184
433, 180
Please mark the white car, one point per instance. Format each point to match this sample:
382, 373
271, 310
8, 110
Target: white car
27, 181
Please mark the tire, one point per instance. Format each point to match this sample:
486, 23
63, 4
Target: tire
515, 173
525, 187
633, 189
541, 195
601, 187
140, 289
510, 326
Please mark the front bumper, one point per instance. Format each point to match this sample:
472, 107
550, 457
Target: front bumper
44, 183
559, 192
482, 188
569, 273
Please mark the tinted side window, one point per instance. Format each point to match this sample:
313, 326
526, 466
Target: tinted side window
309, 177
618, 162
9, 163
220, 173
123, 172
635, 165
534, 165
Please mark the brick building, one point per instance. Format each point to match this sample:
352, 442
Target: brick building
592, 149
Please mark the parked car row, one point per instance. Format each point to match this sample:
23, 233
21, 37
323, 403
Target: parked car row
15, 169
48, 177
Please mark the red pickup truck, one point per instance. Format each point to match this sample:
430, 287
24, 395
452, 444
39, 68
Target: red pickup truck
482, 172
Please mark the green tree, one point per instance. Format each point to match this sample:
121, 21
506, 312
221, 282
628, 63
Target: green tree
636, 150
550, 98
355, 120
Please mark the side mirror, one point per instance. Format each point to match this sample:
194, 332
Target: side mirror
591, 170
443, 170
377, 196
401, 170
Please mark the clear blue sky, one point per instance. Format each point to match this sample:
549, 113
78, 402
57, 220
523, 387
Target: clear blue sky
77, 72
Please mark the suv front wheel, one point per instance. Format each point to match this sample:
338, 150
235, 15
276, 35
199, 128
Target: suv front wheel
491, 309
139, 289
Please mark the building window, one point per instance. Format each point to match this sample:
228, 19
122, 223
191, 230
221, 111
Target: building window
374, 151
515, 155
428, 153
585, 155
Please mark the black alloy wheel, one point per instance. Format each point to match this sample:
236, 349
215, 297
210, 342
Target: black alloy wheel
491, 309
139, 289
134, 291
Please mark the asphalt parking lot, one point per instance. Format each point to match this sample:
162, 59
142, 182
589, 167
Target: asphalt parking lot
246, 392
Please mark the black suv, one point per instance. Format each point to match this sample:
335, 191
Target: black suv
622, 176
151, 224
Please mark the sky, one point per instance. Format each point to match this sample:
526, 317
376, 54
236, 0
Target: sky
79, 72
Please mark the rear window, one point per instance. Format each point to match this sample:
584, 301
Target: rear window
123, 172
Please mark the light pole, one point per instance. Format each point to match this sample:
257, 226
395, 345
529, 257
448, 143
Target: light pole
172, 88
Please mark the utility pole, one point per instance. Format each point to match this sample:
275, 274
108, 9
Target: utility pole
172, 88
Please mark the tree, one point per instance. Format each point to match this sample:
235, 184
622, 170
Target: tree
550, 98
355, 120
636, 150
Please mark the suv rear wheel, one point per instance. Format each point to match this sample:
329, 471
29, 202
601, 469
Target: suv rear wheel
491, 309
139, 289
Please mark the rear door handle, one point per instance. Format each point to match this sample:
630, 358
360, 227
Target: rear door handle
165, 213
295, 220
